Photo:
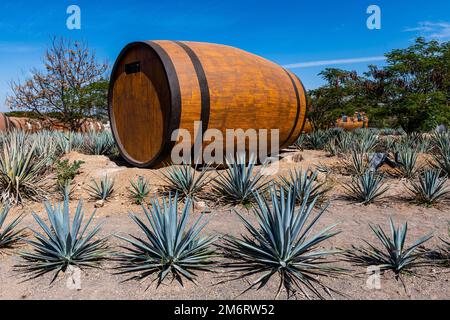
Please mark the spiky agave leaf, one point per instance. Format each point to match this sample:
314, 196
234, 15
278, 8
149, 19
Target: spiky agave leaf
65, 189
46, 146
139, 189
21, 171
441, 158
332, 147
365, 140
358, 163
335, 132
169, 247
345, 142
300, 142
413, 140
366, 188
62, 242
407, 158
446, 248
102, 190
388, 144
99, 143
237, 185
9, 234
393, 254
387, 131
304, 183
316, 140
185, 180
440, 256
430, 188
441, 140
281, 245
444, 253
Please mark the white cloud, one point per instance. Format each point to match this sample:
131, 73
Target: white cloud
333, 62
432, 30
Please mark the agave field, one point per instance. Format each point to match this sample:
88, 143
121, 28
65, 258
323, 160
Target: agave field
337, 210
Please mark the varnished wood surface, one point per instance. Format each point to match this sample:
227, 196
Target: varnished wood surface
244, 91
140, 101
5, 123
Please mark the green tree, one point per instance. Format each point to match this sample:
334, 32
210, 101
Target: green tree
418, 92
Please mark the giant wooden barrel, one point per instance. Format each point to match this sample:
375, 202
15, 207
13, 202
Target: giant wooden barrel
157, 87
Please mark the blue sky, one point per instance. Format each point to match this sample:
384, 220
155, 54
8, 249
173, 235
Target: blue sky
308, 35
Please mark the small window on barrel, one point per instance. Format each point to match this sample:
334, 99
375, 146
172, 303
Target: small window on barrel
133, 67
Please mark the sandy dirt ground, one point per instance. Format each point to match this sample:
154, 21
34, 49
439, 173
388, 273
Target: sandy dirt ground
353, 221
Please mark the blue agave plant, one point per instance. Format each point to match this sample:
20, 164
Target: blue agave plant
62, 243
281, 245
185, 180
366, 188
430, 187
